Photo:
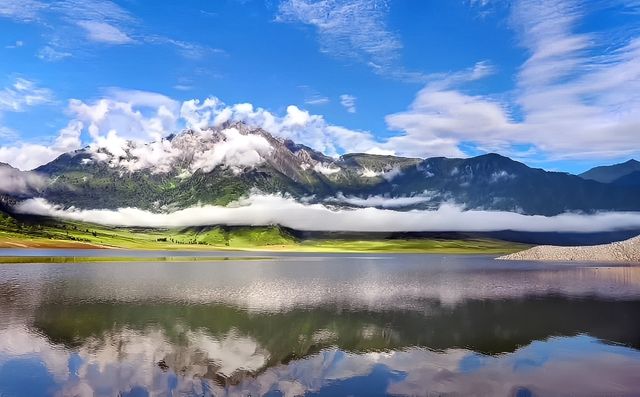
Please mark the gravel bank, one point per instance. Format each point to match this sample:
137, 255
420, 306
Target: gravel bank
622, 251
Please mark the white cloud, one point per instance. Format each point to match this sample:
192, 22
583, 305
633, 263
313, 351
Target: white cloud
572, 83
274, 209
102, 32
187, 49
8, 133
24, 10
235, 151
389, 174
352, 29
27, 156
20, 182
211, 112
234, 353
105, 356
312, 97
573, 88
296, 124
440, 118
203, 149
381, 201
86, 21
100, 20
50, 54
133, 124
348, 102
23, 93
325, 169
500, 176
316, 100
130, 114
131, 357
17, 44
92, 10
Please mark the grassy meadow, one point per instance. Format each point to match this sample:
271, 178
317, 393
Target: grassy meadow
48, 233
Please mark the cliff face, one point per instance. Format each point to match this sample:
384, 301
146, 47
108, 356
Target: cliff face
622, 251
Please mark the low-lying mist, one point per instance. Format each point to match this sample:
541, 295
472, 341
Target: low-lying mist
262, 209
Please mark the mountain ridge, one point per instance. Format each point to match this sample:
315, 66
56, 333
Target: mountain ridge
220, 165
610, 173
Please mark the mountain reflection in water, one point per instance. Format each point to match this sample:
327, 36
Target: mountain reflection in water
320, 325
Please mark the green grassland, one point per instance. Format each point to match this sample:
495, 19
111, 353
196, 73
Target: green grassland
125, 259
48, 233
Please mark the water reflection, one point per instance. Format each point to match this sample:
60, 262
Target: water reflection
407, 326
131, 362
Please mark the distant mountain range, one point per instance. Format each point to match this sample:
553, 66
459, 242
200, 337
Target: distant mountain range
627, 173
223, 164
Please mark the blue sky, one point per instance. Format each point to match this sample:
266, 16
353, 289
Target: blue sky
552, 83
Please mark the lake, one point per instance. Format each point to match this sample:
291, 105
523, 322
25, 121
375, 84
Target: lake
318, 325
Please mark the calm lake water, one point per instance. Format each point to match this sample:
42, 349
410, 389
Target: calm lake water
319, 325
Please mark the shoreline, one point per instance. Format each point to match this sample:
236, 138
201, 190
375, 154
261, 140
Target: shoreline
627, 251
458, 247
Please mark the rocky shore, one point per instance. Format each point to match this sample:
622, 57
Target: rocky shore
622, 251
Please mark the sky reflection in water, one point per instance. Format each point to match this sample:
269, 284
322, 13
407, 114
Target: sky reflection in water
320, 325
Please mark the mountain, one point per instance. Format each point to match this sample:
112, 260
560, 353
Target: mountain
496, 182
632, 179
609, 173
219, 165
16, 185
82, 181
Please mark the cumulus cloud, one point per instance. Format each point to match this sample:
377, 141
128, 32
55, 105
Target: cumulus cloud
573, 81
189, 151
129, 128
275, 209
27, 156
23, 94
130, 114
440, 118
296, 124
19, 182
235, 151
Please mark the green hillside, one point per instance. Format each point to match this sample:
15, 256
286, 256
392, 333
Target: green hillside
49, 233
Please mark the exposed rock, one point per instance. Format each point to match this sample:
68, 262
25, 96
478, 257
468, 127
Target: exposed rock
621, 251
